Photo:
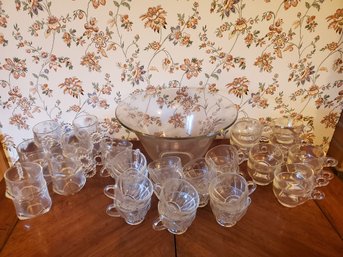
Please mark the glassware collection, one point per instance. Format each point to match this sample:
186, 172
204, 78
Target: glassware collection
184, 174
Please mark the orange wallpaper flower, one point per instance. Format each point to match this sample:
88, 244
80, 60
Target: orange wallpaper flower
272, 58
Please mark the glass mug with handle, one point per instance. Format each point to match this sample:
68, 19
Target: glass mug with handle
177, 206
162, 169
86, 127
294, 184
224, 158
313, 156
199, 174
286, 132
131, 197
29, 151
245, 133
263, 159
28, 190
110, 147
229, 198
80, 150
47, 133
67, 175
128, 159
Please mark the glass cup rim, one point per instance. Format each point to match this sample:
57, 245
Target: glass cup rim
163, 161
93, 121
38, 127
274, 147
168, 182
215, 181
133, 172
317, 148
304, 168
38, 171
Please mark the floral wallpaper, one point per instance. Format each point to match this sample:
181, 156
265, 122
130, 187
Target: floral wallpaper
270, 57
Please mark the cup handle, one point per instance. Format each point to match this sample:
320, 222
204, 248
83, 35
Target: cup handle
266, 133
251, 187
328, 175
242, 156
104, 172
321, 181
249, 201
107, 190
98, 159
158, 225
329, 162
317, 195
111, 210
157, 189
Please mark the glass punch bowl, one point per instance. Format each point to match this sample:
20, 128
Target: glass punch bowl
176, 121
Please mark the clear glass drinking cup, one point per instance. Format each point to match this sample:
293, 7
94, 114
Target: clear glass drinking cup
87, 123
199, 174
86, 127
79, 150
229, 198
162, 169
127, 159
245, 133
264, 159
227, 216
47, 133
315, 157
230, 188
131, 197
287, 130
294, 184
110, 147
224, 158
28, 189
66, 175
28, 151
177, 206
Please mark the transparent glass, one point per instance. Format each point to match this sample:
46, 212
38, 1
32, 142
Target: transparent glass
199, 174
263, 160
177, 206
313, 156
30, 152
28, 190
79, 150
66, 175
294, 184
47, 133
109, 148
86, 128
229, 198
162, 169
245, 133
224, 158
127, 159
176, 121
287, 130
132, 197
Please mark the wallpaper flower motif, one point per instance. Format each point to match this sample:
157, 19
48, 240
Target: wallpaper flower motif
271, 58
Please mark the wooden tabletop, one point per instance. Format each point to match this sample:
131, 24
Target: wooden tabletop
78, 226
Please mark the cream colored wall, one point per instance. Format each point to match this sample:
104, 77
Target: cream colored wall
272, 58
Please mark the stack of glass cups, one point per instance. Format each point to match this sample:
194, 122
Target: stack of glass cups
229, 198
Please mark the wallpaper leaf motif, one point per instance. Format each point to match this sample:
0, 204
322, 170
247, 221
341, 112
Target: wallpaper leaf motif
271, 58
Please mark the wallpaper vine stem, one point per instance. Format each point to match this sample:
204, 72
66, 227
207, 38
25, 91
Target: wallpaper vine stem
272, 58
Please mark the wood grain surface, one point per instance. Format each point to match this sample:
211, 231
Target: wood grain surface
78, 226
